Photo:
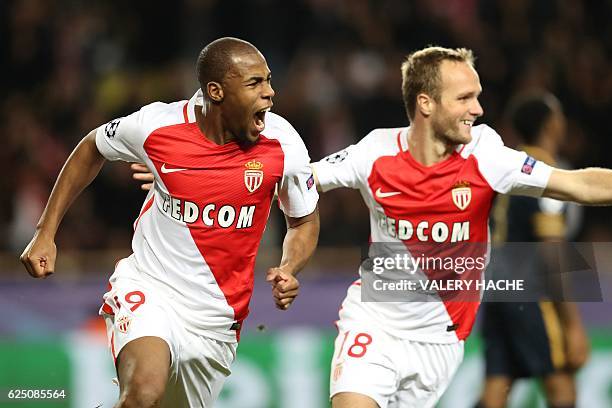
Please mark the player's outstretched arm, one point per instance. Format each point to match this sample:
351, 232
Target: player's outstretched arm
298, 246
79, 170
592, 186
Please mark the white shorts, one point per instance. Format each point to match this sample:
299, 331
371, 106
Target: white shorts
393, 372
199, 365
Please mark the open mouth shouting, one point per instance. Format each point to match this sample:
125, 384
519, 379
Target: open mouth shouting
259, 117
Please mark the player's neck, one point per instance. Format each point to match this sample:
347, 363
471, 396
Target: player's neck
211, 126
426, 148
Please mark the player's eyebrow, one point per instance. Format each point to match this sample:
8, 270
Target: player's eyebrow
470, 93
258, 78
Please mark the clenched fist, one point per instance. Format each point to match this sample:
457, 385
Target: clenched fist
39, 256
285, 287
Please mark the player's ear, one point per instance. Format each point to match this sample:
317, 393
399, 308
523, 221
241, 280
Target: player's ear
214, 91
424, 104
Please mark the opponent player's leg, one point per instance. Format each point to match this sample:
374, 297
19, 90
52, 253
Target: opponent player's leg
497, 332
495, 393
353, 400
560, 389
143, 367
559, 383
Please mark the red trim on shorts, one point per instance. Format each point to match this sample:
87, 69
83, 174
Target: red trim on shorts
144, 210
112, 344
106, 308
185, 115
337, 321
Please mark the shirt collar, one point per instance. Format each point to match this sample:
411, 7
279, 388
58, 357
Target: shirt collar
196, 100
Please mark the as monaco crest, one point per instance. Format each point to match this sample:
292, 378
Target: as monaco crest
462, 194
337, 371
123, 324
253, 176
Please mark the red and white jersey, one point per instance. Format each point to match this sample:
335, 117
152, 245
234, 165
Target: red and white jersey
199, 229
447, 203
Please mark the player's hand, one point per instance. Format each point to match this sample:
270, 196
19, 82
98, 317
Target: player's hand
285, 287
578, 347
142, 174
39, 256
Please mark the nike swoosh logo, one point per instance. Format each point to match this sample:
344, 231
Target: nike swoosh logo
166, 170
381, 194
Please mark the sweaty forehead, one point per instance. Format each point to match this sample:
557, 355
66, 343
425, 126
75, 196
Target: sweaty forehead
247, 65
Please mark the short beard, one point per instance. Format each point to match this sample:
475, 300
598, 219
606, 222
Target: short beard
441, 132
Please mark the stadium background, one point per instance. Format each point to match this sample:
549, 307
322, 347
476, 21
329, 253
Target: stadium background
68, 66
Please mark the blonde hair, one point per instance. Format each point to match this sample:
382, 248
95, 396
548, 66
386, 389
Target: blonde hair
421, 72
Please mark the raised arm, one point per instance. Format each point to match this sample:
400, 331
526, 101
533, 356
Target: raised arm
298, 246
80, 169
591, 186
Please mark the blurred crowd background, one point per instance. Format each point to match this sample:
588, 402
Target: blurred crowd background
68, 66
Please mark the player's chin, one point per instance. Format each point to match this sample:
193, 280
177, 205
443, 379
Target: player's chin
463, 136
249, 137
252, 137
